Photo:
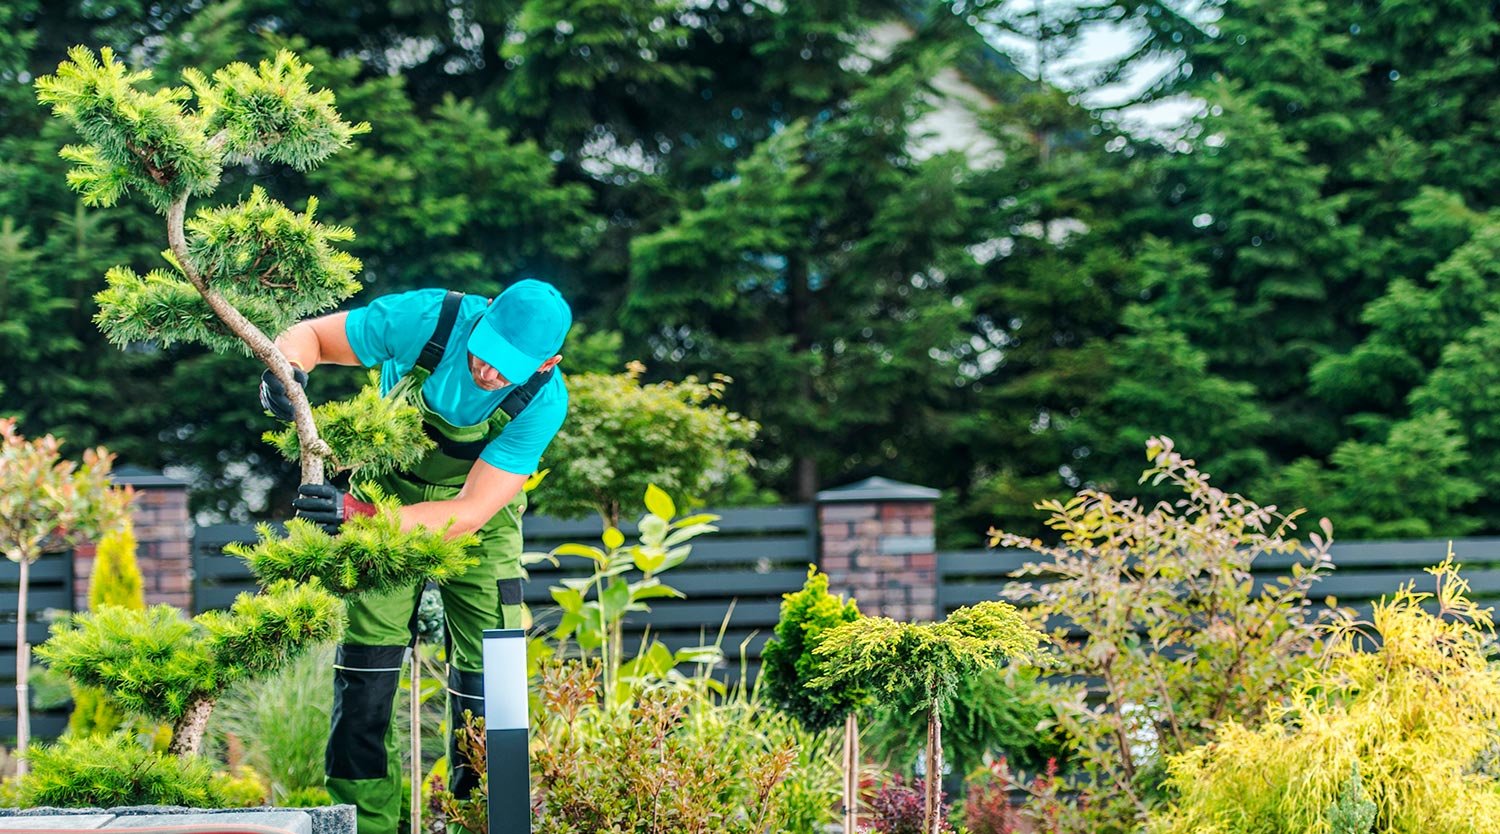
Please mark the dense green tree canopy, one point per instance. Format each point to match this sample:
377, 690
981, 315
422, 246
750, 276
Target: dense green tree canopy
1299, 287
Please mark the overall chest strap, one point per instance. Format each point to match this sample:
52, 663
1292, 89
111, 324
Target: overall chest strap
432, 353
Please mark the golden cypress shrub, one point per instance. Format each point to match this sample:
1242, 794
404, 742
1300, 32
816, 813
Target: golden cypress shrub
1413, 717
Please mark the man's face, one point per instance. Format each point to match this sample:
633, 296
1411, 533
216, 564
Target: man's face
485, 376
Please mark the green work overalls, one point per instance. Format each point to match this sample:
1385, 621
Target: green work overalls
363, 765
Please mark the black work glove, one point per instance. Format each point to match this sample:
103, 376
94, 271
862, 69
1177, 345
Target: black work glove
328, 506
273, 396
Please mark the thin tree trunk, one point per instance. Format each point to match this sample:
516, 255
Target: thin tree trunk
187, 733
933, 793
23, 673
313, 447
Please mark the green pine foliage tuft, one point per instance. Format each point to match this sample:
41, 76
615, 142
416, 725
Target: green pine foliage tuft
261, 246
269, 112
1352, 812
262, 633
164, 308
148, 661
116, 770
899, 658
135, 140
371, 554
370, 434
156, 664
789, 665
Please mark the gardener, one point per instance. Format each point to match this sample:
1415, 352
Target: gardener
484, 376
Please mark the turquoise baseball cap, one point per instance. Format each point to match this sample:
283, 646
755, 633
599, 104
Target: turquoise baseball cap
522, 328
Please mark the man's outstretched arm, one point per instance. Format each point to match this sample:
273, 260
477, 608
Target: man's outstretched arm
485, 492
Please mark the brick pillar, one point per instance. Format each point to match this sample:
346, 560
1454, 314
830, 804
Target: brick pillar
877, 545
163, 534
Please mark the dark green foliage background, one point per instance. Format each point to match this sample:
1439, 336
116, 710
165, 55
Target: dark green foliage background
1301, 289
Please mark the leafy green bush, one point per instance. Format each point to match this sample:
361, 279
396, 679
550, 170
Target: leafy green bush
1172, 624
622, 436
673, 760
596, 622
1410, 720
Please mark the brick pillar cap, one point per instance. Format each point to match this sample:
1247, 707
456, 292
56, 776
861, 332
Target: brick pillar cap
138, 477
877, 489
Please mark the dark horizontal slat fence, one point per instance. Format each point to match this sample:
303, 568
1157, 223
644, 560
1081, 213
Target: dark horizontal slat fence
1363, 571
757, 555
51, 594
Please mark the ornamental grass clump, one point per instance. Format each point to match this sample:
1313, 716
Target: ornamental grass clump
1406, 704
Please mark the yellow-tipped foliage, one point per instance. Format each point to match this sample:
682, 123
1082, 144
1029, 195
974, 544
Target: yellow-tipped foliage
369, 434
370, 554
1414, 716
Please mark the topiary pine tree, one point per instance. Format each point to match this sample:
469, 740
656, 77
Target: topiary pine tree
234, 273
116, 580
47, 503
925, 662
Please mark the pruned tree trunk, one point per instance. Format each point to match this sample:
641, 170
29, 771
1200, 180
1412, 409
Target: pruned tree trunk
187, 733
851, 774
314, 450
932, 806
23, 673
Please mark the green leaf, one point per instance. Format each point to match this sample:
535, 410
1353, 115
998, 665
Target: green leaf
659, 503
613, 600
567, 598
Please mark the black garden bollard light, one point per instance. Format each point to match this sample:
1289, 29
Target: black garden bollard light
507, 730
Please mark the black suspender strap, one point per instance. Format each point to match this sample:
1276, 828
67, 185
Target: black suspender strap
432, 352
518, 399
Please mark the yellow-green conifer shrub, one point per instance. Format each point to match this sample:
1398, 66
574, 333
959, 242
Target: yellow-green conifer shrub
116, 581
1411, 717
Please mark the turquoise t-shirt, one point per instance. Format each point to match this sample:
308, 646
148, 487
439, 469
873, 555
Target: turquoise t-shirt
391, 331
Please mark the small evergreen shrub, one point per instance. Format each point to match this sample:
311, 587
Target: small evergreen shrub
115, 770
788, 665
